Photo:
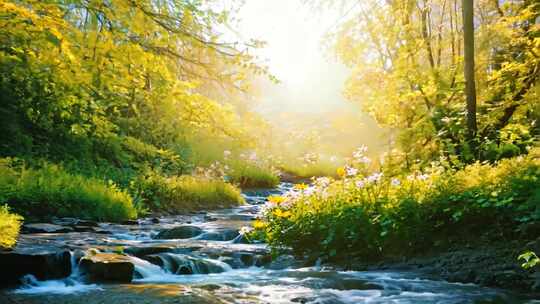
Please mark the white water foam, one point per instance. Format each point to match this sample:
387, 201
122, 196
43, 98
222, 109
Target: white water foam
66, 286
69, 285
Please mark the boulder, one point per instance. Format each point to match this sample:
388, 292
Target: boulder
180, 232
70, 221
45, 228
43, 264
107, 267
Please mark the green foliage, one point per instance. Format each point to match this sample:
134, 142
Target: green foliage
530, 259
51, 191
373, 215
184, 193
9, 225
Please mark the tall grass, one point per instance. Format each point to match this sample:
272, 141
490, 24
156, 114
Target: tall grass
308, 170
252, 175
179, 194
9, 227
51, 191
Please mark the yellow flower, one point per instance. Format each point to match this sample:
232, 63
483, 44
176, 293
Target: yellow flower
276, 199
300, 187
258, 224
340, 171
281, 213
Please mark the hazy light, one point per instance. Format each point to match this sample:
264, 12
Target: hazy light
311, 79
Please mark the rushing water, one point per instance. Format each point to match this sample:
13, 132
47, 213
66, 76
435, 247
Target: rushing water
215, 265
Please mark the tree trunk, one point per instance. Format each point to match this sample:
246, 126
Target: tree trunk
470, 86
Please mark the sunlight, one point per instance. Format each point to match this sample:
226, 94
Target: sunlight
269, 151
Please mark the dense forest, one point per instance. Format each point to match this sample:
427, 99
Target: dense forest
119, 110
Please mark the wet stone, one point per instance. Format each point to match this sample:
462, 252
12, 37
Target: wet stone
107, 267
42, 264
45, 228
180, 232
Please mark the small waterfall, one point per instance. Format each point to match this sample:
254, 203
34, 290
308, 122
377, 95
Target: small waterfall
72, 284
146, 269
185, 264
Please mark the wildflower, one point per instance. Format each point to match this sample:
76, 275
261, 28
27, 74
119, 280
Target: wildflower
281, 213
395, 182
423, 177
300, 187
309, 191
360, 184
364, 160
411, 177
375, 177
276, 199
340, 171
226, 153
253, 156
245, 230
258, 224
361, 150
351, 171
322, 181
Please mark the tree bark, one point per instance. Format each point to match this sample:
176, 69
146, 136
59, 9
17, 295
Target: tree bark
470, 86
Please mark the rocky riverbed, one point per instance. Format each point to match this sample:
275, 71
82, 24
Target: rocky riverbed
202, 258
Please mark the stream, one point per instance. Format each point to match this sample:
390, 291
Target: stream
211, 263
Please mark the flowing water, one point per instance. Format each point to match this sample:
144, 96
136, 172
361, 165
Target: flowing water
217, 267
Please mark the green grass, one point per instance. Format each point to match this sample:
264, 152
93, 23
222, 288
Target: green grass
250, 175
401, 215
40, 193
317, 169
9, 226
179, 194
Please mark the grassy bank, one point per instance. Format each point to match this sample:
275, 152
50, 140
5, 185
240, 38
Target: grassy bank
250, 175
179, 194
51, 191
372, 215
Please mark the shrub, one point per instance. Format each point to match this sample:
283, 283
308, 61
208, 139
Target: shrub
185, 193
373, 215
50, 191
9, 226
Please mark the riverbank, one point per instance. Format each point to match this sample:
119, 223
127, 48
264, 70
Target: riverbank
201, 258
493, 264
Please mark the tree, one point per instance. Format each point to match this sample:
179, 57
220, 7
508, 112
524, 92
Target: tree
470, 85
